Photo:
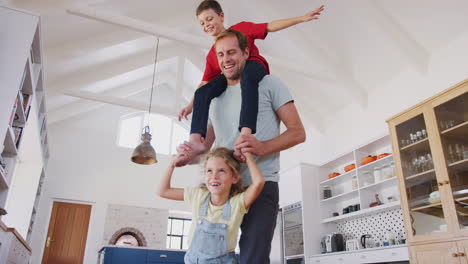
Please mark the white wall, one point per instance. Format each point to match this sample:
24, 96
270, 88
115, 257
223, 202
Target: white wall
356, 125
86, 166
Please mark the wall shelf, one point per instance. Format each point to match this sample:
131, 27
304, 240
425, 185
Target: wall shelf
363, 212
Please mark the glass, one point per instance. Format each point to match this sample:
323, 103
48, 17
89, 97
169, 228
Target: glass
386, 173
377, 174
420, 179
354, 183
367, 179
177, 226
327, 193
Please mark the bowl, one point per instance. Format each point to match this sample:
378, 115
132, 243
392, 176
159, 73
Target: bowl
350, 167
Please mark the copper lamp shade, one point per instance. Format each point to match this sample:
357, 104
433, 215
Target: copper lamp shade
144, 153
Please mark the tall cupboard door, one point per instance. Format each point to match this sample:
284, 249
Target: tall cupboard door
425, 212
451, 115
436, 253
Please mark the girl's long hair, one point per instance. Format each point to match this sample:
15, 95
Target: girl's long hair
228, 156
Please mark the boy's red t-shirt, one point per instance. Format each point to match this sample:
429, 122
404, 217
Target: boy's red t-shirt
252, 31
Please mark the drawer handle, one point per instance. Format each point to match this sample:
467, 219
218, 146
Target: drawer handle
163, 256
461, 254
455, 255
340, 259
394, 253
317, 261
363, 256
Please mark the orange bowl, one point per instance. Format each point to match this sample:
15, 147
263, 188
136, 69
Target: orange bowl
350, 167
333, 175
382, 155
368, 159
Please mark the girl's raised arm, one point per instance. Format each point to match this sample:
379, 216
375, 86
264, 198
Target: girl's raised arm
254, 189
164, 188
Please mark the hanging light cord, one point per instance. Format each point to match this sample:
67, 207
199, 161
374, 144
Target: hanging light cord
154, 73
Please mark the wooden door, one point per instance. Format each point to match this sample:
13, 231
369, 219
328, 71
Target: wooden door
436, 253
66, 238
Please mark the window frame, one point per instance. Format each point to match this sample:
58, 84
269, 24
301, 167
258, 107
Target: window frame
185, 221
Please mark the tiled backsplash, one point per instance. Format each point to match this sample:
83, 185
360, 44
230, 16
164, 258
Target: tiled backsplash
375, 225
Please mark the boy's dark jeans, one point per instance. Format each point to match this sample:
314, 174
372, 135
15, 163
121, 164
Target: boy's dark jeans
258, 226
253, 73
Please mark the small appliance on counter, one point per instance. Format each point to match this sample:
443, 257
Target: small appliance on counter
334, 242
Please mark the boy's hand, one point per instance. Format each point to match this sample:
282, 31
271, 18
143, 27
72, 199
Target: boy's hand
184, 112
314, 14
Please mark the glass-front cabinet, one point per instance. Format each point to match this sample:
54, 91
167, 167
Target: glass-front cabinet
430, 146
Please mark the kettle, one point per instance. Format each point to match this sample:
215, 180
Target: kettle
367, 241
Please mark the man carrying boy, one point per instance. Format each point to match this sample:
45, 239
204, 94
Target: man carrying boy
211, 18
275, 105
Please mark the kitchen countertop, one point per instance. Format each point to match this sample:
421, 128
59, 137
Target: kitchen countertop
359, 251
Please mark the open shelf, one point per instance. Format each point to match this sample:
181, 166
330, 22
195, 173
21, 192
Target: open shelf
460, 163
378, 184
363, 212
339, 178
10, 145
372, 164
3, 180
341, 196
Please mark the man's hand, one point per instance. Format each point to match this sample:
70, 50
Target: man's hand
184, 112
313, 15
249, 143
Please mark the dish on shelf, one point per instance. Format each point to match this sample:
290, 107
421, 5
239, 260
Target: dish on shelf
368, 159
383, 155
333, 175
350, 167
419, 202
433, 200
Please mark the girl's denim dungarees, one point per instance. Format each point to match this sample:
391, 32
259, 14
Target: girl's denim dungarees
210, 241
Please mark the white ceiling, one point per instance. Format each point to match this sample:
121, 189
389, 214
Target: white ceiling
355, 47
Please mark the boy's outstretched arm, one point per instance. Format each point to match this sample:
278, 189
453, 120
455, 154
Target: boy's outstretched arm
254, 189
289, 22
164, 188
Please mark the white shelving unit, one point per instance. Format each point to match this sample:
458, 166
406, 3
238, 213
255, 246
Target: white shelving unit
343, 193
317, 214
22, 121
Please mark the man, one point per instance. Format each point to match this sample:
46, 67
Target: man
275, 105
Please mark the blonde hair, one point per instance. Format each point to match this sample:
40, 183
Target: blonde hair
228, 156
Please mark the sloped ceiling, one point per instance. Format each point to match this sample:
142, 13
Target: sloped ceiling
355, 47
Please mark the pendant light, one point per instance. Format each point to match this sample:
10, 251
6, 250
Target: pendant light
145, 153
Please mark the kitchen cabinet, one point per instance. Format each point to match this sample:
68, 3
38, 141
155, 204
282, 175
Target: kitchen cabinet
430, 145
440, 253
376, 255
139, 255
23, 127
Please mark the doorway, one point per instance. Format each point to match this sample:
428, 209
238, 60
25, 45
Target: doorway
68, 230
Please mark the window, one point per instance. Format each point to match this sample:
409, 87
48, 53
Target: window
167, 133
177, 232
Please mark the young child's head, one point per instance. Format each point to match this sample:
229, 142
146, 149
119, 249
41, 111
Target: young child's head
211, 17
221, 171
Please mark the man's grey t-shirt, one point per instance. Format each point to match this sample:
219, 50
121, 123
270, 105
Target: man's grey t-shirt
225, 113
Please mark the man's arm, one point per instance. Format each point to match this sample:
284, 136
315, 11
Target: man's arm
289, 22
293, 135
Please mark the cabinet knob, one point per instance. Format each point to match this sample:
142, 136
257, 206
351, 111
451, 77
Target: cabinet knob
440, 183
461, 254
455, 255
446, 182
